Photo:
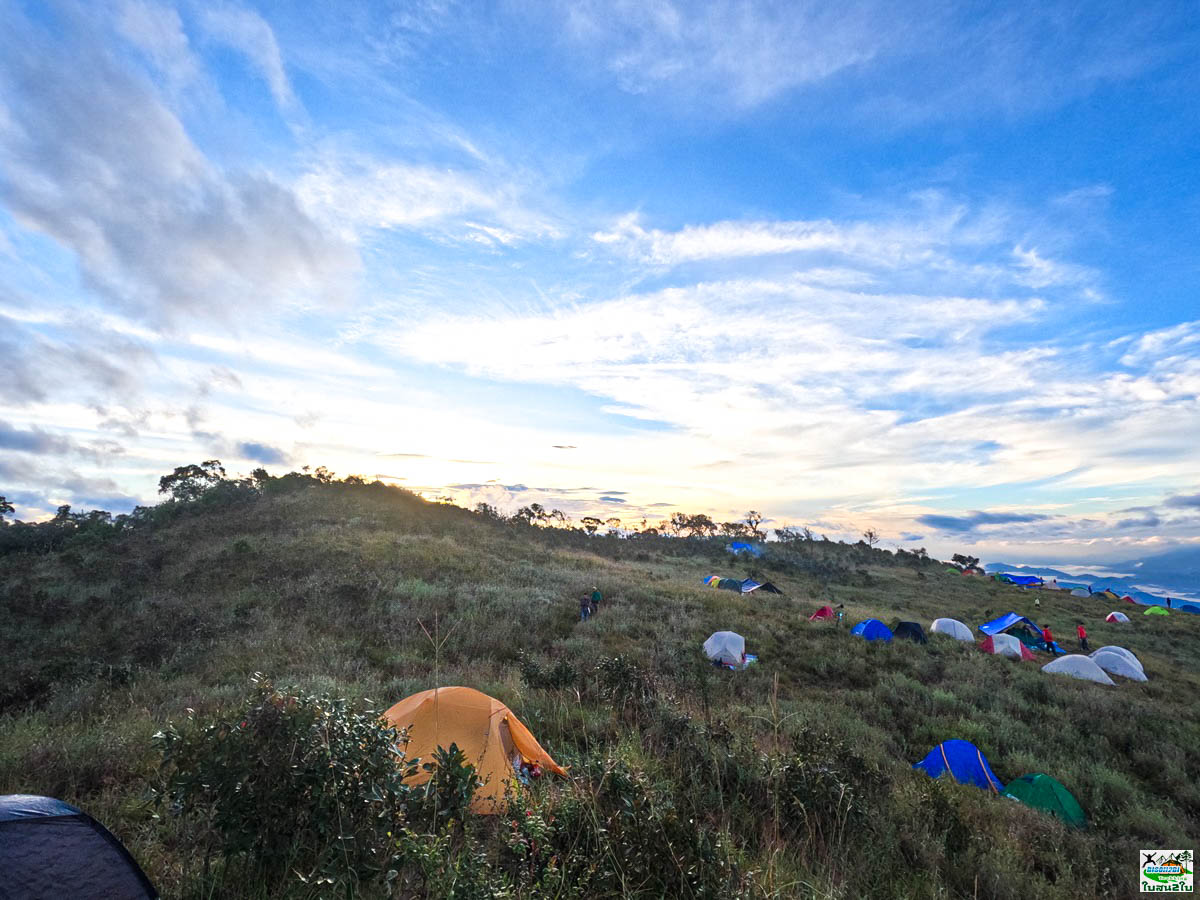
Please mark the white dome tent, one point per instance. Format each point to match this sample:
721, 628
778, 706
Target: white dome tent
953, 628
1007, 645
1116, 664
726, 647
1121, 651
1116, 616
1078, 667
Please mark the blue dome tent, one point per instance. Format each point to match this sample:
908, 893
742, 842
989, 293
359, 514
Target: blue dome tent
872, 630
965, 763
49, 848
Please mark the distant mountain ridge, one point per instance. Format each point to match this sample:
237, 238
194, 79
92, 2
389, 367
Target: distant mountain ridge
1175, 573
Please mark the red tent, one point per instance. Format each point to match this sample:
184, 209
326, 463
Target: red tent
1128, 599
1010, 647
824, 612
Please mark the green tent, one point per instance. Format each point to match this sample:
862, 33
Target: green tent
1156, 611
1042, 792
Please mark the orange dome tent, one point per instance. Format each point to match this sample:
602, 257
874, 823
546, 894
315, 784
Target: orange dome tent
485, 730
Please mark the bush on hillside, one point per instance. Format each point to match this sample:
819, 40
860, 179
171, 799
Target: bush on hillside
294, 785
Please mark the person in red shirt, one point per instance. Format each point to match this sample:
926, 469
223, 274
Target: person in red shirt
1082, 632
1048, 638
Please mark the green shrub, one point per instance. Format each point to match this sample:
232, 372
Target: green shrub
292, 785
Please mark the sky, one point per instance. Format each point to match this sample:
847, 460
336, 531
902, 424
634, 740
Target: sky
924, 268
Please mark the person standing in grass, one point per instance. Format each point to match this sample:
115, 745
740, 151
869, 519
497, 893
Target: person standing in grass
1082, 632
596, 598
1048, 638
585, 608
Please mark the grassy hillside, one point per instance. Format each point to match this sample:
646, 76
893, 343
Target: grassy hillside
792, 778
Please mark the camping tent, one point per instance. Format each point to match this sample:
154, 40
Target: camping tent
872, 630
493, 739
950, 571
51, 849
765, 586
912, 631
1119, 664
726, 647
1156, 611
1189, 607
1115, 616
1005, 645
954, 628
741, 548
1120, 651
1042, 792
1007, 621
728, 584
1080, 592
1109, 593
1077, 667
1022, 580
963, 761
825, 612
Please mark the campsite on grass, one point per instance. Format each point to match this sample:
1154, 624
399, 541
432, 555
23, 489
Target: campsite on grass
418, 667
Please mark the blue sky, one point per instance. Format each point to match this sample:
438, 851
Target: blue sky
858, 265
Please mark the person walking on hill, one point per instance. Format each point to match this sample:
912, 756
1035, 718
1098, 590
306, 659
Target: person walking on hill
1048, 638
585, 608
596, 598
1082, 632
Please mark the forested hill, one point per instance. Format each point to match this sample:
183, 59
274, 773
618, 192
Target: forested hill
130, 646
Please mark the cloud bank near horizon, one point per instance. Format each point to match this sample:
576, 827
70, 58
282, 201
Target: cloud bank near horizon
234, 232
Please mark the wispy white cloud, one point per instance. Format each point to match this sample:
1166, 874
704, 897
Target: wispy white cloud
249, 33
92, 156
741, 53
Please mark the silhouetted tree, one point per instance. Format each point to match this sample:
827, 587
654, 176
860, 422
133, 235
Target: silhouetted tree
590, 524
966, 562
753, 520
190, 482
870, 537
6, 509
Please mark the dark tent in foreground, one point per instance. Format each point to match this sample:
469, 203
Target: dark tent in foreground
872, 630
965, 763
1042, 792
50, 849
910, 630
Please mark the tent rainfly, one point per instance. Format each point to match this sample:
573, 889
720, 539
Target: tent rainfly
912, 631
740, 548
1118, 664
1078, 667
1040, 791
1156, 611
1115, 616
1080, 592
872, 630
953, 628
965, 763
825, 612
1007, 621
493, 739
1005, 645
1120, 651
49, 848
726, 647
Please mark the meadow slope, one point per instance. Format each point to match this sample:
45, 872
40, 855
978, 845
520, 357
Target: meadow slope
792, 778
